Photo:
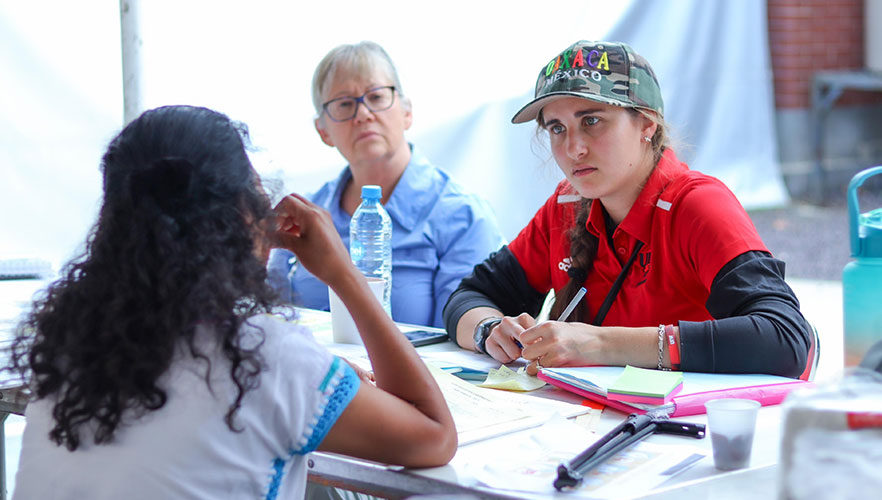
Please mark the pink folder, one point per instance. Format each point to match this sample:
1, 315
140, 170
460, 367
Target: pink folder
693, 403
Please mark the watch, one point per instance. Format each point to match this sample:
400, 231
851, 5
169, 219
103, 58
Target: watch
482, 331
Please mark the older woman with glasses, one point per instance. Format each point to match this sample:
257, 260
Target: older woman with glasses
439, 232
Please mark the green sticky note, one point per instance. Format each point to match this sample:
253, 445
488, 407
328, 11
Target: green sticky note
646, 386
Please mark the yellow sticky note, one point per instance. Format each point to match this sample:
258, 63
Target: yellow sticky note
509, 380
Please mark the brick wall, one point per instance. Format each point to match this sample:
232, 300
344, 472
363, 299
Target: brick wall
810, 35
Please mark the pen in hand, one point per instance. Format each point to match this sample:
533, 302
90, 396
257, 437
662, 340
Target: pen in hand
572, 305
569, 310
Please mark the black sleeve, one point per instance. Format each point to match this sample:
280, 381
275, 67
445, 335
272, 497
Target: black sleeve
498, 282
758, 327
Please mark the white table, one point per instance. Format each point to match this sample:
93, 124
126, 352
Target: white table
702, 480
821, 303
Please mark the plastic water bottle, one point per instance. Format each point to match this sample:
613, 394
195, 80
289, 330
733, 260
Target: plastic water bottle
862, 277
370, 240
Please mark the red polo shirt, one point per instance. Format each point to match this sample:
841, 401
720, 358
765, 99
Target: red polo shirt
691, 225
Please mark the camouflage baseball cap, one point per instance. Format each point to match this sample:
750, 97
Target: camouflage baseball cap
607, 72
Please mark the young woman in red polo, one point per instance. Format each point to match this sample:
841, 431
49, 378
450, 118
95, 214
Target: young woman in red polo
675, 272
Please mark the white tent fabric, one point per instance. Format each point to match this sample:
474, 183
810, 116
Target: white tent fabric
60, 102
467, 67
712, 62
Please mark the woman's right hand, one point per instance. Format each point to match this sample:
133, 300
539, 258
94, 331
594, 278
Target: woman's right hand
307, 230
503, 344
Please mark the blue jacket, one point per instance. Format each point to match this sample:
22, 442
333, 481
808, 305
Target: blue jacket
439, 233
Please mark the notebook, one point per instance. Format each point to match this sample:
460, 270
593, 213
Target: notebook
593, 383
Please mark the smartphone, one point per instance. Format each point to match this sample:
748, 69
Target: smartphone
425, 337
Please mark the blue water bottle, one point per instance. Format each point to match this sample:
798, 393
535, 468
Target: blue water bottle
862, 277
370, 240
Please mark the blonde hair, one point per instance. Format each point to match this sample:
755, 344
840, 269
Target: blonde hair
363, 58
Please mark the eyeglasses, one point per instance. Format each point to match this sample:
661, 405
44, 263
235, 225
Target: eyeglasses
343, 109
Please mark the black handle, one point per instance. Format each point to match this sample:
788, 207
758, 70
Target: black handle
680, 428
635, 428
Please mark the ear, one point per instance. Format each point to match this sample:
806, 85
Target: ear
648, 127
326, 138
407, 108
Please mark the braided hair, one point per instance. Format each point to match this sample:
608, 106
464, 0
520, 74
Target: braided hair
583, 244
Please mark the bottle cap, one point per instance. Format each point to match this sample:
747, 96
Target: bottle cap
865, 228
371, 192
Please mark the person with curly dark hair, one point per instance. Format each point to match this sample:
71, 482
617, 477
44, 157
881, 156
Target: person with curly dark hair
156, 365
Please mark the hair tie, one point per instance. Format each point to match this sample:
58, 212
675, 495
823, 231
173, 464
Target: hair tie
577, 274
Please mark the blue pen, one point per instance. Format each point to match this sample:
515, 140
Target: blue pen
566, 312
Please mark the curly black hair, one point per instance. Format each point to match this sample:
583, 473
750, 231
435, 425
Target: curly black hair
174, 246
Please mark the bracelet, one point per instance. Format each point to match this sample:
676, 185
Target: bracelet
661, 348
673, 347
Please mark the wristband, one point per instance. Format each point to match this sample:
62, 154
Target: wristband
661, 348
673, 347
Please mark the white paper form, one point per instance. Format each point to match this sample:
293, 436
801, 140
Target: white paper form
530, 466
481, 413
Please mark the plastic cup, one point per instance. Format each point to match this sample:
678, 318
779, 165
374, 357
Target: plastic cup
343, 326
731, 422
